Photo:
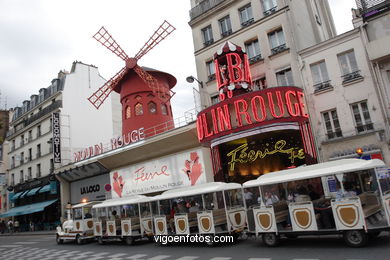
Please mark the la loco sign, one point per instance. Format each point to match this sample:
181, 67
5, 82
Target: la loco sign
274, 105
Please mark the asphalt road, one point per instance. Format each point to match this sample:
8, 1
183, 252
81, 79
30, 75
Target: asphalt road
44, 247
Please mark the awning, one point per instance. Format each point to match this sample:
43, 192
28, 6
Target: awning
27, 209
24, 194
32, 192
17, 195
45, 188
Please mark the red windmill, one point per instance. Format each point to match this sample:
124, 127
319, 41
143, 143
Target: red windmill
139, 87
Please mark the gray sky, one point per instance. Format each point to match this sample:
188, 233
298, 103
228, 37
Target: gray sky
41, 37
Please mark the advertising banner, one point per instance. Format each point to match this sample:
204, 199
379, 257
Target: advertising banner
169, 172
90, 189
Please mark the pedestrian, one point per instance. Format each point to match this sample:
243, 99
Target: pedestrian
16, 226
10, 226
31, 226
2, 227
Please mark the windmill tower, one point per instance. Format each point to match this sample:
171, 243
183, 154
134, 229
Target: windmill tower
145, 93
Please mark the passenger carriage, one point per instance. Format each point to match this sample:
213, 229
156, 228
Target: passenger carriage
349, 197
79, 226
206, 209
125, 219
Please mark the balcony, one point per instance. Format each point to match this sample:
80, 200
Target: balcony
278, 49
364, 128
319, 87
247, 22
226, 33
255, 59
209, 42
203, 7
270, 11
371, 8
333, 135
351, 76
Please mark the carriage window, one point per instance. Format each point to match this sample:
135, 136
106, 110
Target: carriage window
87, 212
252, 196
145, 209
101, 212
113, 212
77, 213
384, 179
234, 198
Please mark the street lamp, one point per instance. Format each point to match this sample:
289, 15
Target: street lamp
198, 97
191, 79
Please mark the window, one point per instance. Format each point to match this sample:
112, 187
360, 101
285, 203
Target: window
12, 179
21, 140
38, 150
12, 162
225, 26
152, 107
277, 41
51, 165
139, 111
21, 176
128, 112
246, 15
207, 35
29, 172
348, 66
320, 76
21, 158
164, 109
51, 125
210, 70
259, 84
38, 170
269, 6
29, 154
215, 99
30, 135
13, 145
285, 78
38, 130
332, 124
253, 51
362, 117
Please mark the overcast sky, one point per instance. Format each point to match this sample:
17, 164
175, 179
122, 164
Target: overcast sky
38, 38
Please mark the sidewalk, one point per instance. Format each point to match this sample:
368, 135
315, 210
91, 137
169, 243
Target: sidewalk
30, 233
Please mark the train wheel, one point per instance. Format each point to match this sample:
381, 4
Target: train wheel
355, 238
129, 241
79, 241
100, 240
270, 239
59, 240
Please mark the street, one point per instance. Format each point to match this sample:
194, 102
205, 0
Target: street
44, 247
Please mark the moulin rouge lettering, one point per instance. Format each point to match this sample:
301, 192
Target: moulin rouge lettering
242, 155
141, 175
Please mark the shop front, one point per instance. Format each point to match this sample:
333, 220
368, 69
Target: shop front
251, 133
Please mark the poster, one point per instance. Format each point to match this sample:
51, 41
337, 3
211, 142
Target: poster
169, 172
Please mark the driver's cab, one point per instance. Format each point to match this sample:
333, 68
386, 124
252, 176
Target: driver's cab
82, 217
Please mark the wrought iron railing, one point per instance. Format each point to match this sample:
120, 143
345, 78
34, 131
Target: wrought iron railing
333, 135
247, 22
203, 7
254, 59
226, 33
211, 77
278, 49
351, 76
270, 11
209, 42
372, 7
364, 128
322, 86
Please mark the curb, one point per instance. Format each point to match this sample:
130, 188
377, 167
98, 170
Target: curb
28, 233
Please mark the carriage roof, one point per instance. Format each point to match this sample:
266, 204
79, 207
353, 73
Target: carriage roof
197, 190
123, 201
314, 171
91, 203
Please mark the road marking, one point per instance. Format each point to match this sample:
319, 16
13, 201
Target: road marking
188, 258
220, 258
10, 245
136, 257
159, 257
25, 243
259, 258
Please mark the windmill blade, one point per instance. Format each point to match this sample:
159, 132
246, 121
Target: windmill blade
162, 32
161, 91
98, 97
107, 41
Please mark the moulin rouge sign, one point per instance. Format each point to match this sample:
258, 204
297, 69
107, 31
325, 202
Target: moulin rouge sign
244, 109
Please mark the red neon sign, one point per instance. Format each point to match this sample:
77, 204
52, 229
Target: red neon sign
248, 110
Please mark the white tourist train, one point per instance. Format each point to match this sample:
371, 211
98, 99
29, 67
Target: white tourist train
349, 197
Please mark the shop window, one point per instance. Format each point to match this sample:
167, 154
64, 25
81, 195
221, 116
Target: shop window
164, 109
139, 109
128, 112
152, 107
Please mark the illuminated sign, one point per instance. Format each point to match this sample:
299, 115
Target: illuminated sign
56, 143
242, 154
252, 109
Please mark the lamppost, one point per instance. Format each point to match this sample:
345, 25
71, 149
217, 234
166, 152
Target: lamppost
198, 97
68, 208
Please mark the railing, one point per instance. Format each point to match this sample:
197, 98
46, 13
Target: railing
278, 49
209, 42
364, 128
247, 22
254, 59
203, 7
351, 76
322, 86
372, 7
211, 77
227, 33
332, 135
270, 11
